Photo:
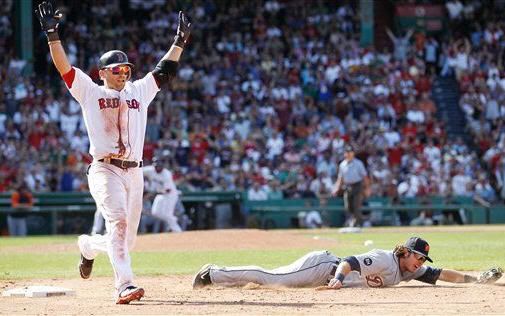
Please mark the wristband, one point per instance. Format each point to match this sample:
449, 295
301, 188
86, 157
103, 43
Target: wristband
52, 36
469, 279
340, 277
53, 42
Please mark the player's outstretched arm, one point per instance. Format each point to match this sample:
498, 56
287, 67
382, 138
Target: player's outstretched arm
487, 277
49, 21
167, 67
455, 277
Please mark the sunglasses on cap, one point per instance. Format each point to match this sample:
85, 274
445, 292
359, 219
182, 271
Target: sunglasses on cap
121, 69
420, 258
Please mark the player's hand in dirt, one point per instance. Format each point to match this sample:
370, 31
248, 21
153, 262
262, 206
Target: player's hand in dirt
335, 284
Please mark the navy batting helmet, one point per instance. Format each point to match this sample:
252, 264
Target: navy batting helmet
157, 162
113, 58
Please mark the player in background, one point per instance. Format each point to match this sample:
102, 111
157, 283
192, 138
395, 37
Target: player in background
160, 181
115, 116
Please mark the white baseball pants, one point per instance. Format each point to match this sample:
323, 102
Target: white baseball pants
118, 195
164, 208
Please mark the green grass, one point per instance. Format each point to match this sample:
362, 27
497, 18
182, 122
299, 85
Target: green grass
461, 251
35, 240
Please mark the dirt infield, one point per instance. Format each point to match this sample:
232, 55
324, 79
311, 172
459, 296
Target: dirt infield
174, 295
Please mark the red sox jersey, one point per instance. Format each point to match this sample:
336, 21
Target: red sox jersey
115, 120
381, 268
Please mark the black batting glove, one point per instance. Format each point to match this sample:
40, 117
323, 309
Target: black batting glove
49, 20
183, 30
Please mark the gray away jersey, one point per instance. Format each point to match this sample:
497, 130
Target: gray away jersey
381, 268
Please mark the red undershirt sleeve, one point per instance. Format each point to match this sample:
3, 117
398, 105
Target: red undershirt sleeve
69, 77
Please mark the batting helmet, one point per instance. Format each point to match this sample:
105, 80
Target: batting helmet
113, 58
157, 162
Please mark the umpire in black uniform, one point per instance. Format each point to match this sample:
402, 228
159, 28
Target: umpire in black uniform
354, 182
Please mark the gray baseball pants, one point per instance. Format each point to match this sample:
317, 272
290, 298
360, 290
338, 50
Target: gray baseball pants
311, 270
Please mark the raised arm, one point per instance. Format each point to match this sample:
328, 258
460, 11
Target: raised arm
468, 46
167, 67
409, 34
392, 37
49, 21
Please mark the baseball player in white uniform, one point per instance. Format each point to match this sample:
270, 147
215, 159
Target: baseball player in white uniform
161, 181
376, 268
115, 116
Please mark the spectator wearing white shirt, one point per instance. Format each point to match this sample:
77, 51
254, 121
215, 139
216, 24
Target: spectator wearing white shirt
393, 137
257, 193
431, 152
275, 145
461, 184
415, 114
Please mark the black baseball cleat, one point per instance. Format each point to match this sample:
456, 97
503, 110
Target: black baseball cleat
131, 293
202, 278
85, 267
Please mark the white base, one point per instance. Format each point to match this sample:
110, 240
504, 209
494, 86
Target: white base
38, 291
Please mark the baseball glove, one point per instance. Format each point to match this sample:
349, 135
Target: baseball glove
490, 276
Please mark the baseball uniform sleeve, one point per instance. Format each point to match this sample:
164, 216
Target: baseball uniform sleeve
79, 84
146, 88
373, 262
427, 274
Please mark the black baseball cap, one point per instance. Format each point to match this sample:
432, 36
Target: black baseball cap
419, 246
348, 148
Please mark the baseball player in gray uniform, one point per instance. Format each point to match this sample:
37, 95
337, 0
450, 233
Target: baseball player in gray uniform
115, 116
321, 269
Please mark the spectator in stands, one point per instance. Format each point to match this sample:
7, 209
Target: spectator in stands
21, 203
291, 88
275, 192
257, 193
401, 44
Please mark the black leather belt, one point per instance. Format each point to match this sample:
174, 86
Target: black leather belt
123, 164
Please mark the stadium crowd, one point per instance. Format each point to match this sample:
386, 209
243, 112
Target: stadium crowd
267, 96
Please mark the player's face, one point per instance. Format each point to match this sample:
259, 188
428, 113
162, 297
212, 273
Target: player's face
116, 77
414, 261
